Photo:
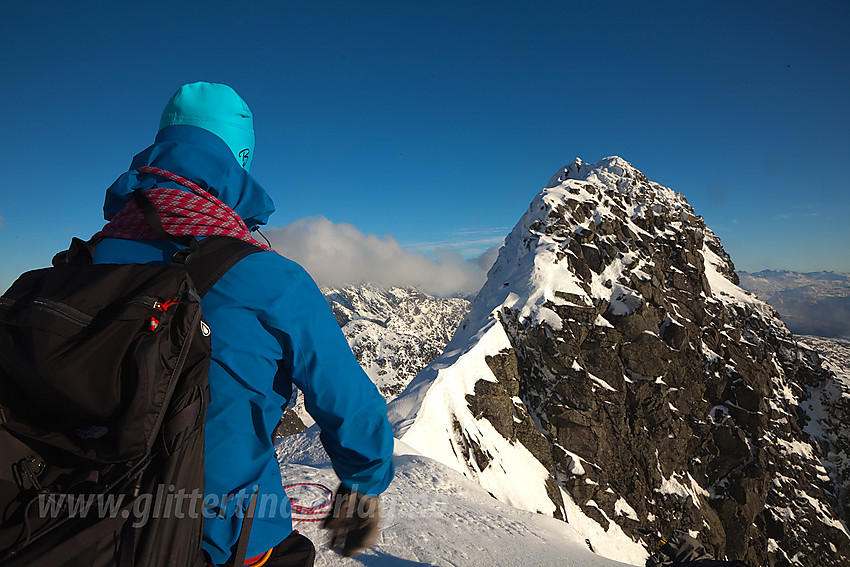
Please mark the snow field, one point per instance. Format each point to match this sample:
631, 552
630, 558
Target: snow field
434, 516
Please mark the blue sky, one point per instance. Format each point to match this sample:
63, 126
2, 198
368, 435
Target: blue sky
422, 124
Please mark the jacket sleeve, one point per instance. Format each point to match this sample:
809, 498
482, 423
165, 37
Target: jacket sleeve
342, 399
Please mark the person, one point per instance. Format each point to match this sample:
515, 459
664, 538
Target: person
270, 328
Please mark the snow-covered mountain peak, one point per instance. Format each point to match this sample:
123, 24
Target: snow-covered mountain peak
613, 374
612, 166
584, 238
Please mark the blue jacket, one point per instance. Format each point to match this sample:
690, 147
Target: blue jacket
271, 328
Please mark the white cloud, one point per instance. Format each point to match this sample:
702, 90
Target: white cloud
469, 242
336, 254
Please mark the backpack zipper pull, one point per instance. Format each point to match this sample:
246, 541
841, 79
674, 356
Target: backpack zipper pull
170, 302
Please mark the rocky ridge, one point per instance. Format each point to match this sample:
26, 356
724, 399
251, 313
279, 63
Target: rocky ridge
611, 373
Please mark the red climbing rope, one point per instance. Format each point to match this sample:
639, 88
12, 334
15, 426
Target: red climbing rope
321, 503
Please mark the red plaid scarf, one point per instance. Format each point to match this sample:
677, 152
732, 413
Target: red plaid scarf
181, 213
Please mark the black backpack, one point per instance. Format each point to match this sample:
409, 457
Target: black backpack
103, 397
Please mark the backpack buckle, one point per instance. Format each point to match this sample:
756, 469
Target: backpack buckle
181, 255
26, 471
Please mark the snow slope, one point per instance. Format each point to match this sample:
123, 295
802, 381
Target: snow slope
433, 516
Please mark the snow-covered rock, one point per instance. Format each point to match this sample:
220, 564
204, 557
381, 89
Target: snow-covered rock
828, 408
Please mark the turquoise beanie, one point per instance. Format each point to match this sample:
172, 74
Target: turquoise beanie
218, 109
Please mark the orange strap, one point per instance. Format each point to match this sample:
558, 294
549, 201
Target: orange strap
259, 560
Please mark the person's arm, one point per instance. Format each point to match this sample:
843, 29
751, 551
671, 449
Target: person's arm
337, 393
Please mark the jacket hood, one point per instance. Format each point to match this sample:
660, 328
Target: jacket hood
201, 157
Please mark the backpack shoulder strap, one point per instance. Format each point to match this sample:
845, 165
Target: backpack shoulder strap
213, 257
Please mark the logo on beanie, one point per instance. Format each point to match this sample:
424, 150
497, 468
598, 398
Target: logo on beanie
244, 154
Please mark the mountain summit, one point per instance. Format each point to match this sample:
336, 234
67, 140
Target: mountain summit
611, 373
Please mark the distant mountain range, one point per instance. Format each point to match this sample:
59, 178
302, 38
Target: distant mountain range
395, 332
814, 303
